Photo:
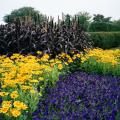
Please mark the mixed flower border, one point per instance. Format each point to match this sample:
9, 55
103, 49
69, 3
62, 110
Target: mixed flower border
24, 80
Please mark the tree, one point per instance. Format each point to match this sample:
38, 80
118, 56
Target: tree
25, 14
100, 18
83, 19
68, 20
117, 22
101, 23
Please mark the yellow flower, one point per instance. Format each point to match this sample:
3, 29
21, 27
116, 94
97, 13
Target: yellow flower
14, 94
52, 64
70, 60
3, 94
39, 52
78, 55
60, 66
45, 57
33, 81
74, 57
37, 72
32, 91
20, 105
51, 61
24, 87
15, 112
24, 107
3, 86
4, 109
6, 104
41, 78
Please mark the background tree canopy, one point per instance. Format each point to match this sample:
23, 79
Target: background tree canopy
25, 14
101, 23
101, 18
83, 20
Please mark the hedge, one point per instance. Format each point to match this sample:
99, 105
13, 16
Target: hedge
103, 26
105, 40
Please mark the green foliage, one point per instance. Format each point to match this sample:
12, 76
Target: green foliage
117, 116
105, 40
100, 18
31, 100
92, 66
52, 77
79, 20
67, 20
24, 14
83, 19
101, 23
117, 22
71, 67
103, 26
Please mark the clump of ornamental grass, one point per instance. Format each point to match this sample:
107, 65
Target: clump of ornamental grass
52, 39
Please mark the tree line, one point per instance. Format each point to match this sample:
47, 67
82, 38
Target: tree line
28, 15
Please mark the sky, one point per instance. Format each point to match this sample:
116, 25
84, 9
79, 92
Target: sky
56, 7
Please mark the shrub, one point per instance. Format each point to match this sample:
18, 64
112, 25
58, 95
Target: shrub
103, 26
105, 40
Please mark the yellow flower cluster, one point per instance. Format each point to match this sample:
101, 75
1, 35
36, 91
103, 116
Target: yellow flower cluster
20, 75
66, 57
12, 111
104, 56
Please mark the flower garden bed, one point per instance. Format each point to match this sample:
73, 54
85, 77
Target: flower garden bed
81, 96
39, 87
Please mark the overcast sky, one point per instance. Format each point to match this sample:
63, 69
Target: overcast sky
56, 7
